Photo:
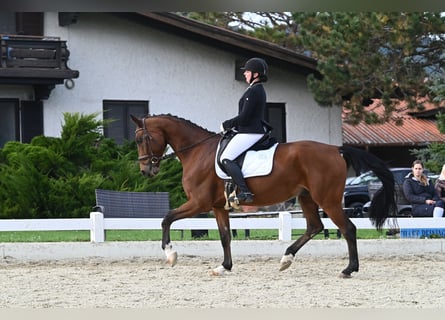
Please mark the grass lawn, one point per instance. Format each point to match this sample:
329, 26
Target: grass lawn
155, 235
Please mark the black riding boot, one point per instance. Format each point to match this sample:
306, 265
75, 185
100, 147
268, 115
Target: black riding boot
234, 171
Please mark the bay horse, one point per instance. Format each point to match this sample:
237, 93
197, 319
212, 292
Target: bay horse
313, 172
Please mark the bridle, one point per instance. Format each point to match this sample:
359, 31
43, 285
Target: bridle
151, 156
156, 159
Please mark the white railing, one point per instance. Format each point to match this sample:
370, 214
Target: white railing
284, 223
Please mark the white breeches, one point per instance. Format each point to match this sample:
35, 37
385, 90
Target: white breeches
240, 143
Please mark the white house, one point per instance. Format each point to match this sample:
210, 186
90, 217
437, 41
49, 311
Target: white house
161, 63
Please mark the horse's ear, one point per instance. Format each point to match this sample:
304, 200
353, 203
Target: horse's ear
137, 121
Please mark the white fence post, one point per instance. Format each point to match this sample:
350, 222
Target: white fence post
97, 231
285, 227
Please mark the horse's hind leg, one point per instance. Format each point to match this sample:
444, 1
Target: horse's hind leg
349, 232
222, 219
313, 227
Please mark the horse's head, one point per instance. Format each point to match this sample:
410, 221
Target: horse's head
151, 146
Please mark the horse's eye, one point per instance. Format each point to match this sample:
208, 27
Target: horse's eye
138, 140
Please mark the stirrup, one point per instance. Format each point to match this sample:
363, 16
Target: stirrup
246, 197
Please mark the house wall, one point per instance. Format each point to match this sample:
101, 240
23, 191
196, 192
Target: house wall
121, 60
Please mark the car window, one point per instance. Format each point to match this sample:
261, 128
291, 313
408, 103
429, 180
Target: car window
364, 179
400, 175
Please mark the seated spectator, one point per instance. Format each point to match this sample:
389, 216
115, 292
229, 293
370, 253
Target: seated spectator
440, 190
421, 193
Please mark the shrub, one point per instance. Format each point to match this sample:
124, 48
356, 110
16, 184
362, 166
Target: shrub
56, 177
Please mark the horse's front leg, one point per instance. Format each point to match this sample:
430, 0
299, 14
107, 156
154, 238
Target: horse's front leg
171, 255
222, 219
187, 210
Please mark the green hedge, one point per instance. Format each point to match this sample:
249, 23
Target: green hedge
56, 177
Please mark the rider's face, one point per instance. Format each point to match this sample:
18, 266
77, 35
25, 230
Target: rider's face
248, 75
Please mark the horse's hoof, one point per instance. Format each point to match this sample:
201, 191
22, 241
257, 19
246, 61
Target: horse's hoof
286, 261
172, 258
345, 275
218, 271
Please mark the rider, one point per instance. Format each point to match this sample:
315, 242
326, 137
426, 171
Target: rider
248, 123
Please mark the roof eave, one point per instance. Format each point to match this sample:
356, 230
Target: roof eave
232, 38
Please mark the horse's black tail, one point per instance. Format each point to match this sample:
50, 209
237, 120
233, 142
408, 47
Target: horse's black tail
383, 203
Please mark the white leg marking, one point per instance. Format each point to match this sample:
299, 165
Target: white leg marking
172, 255
286, 261
218, 271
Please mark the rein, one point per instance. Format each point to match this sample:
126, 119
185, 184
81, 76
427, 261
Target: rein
155, 159
170, 155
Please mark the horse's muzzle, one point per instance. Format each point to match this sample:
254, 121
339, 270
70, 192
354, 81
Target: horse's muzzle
149, 171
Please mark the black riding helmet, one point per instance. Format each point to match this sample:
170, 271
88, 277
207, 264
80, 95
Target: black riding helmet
259, 66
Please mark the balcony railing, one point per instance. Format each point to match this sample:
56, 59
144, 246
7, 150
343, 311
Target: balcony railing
34, 57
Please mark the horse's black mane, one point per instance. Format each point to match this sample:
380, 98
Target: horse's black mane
188, 122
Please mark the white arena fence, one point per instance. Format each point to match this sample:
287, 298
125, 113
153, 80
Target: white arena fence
283, 221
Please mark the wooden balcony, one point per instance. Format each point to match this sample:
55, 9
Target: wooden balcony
34, 60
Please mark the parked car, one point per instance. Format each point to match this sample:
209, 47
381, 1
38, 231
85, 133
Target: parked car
357, 191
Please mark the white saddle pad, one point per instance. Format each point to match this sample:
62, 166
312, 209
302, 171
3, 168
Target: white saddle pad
256, 163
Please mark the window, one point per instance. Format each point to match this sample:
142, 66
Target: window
21, 23
9, 127
239, 73
7, 22
276, 116
122, 127
31, 118
20, 121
